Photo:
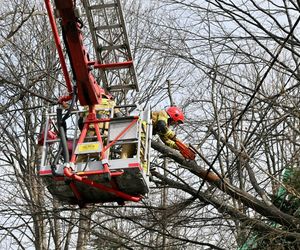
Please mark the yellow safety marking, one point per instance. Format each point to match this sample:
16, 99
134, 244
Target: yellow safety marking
88, 147
145, 167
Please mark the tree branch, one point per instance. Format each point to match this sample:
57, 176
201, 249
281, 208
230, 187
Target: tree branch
234, 192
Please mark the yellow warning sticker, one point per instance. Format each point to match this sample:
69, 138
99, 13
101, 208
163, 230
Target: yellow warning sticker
88, 147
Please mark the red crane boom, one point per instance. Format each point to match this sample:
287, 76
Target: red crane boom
89, 91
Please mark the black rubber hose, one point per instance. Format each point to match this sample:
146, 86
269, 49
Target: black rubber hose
74, 98
55, 162
61, 124
62, 128
62, 133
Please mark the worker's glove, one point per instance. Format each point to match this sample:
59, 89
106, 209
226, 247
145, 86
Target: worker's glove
186, 152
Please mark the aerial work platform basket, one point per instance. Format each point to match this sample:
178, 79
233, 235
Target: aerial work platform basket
99, 169
93, 155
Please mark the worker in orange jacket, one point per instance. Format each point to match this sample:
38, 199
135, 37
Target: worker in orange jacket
161, 121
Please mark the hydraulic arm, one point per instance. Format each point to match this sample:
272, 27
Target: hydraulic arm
89, 91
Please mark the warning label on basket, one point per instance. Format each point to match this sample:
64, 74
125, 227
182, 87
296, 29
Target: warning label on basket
91, 147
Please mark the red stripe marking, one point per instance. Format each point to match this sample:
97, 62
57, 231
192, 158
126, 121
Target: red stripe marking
135, 164
45, 172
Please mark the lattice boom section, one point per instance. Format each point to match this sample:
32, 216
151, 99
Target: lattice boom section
108, 30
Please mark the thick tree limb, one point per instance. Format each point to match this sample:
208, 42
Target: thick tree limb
224, 208
248, 200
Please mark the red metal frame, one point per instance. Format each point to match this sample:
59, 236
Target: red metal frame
98, 172
75, 191
92, 118
59, 50
69, 174
121, 134
127, 64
